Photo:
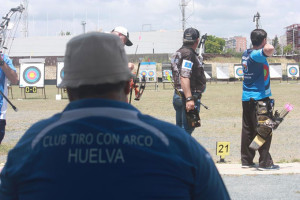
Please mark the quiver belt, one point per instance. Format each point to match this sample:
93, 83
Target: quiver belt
264, 114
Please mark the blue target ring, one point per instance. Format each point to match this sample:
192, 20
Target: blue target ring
31, 75
239, 71
293, 71
62, 74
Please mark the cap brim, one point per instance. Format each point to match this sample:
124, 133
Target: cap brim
128, 43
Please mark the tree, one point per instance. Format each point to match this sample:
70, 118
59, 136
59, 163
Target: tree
61, 33
288, 49
64, 33
275, 43
214, 44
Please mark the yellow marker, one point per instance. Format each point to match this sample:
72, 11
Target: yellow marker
169, 77
223, 149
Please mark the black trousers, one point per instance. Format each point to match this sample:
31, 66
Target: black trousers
248, 134
2, 129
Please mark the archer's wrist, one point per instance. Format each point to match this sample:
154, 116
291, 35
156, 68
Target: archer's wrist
190, 98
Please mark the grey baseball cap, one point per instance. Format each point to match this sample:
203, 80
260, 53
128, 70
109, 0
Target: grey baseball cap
95, 58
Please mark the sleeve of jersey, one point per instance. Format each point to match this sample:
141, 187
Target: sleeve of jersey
186, 67
258, 56
10, 173
9, 62
208, 182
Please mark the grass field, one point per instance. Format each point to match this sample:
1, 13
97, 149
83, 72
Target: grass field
222, 122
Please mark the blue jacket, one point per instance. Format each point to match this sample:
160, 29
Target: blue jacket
3, 85
256, 82
104, 149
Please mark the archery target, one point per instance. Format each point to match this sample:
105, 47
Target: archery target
148, 69
143, 73
151, 73
59, 73
207, 76
223, 71
167, 73
293, 71
208, 71
275, 70
239, 73
32, 74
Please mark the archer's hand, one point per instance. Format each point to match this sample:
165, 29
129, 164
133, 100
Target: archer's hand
189, 105
131, 66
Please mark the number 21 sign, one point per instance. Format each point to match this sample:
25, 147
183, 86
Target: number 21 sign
223, 149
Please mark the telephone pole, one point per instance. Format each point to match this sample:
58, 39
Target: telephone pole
83, 23
25, 18
182, 8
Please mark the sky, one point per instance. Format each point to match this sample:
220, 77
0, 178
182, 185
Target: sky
222, 18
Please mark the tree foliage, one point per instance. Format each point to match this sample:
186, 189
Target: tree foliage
214, 44
288, 49
276, 45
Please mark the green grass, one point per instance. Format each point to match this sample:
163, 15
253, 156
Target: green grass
222, 122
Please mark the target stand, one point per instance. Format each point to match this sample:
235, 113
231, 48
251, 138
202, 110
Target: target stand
62, 91
32, 76
9, 88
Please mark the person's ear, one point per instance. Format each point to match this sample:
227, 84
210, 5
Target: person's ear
127, 88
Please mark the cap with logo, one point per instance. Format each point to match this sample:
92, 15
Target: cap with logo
124, 32
191, 34
95, 58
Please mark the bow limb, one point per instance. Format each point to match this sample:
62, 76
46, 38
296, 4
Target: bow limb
141, 89
134, 82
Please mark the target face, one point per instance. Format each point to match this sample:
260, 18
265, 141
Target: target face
167, 72
239, 71
143, 73
60, 73
293, 70
32, 74
151, 73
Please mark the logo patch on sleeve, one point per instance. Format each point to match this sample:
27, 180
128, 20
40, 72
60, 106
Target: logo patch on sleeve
186, 64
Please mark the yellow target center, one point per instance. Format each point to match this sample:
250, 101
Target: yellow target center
31, 75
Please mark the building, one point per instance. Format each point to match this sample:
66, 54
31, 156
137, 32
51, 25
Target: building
293, 36
237, 43
147, 45
282, 40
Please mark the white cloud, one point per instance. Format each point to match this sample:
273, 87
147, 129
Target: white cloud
223, 18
